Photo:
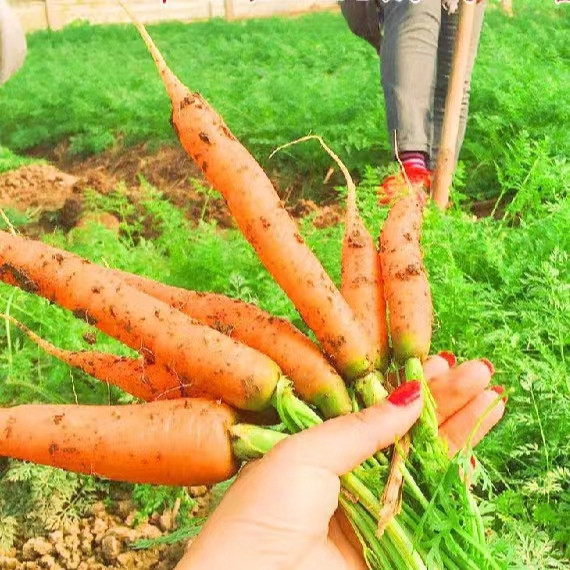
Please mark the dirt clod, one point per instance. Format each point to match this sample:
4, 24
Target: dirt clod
111, 547
328, 216
36, 548
103, 219
165, 521
9, 562
100, 540
36, 186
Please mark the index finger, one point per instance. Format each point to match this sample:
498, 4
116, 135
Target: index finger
340, 444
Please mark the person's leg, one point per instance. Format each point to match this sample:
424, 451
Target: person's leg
444, 60
408, 66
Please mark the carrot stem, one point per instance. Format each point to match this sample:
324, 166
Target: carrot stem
414, 371
252, 442
364, 527
370, 389
294, 413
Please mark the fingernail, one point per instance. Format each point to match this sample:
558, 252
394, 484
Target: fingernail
449, 357
500, 390
406, 393
488, 364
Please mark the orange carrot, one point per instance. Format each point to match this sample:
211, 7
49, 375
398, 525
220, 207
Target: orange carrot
133, 375
314, 378
362, 285
361, 279
405, 281
260, 215
205, 361
361, 276
175, 442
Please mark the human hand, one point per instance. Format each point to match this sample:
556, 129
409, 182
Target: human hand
280, 511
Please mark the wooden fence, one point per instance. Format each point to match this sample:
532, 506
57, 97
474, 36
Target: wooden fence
55, 14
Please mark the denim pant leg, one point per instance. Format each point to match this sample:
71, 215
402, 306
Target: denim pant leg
408, 69
444, 60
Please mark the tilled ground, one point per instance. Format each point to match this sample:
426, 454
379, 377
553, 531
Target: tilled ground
102, 539
54, 195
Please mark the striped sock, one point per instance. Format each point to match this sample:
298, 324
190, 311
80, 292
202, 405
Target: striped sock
413, 160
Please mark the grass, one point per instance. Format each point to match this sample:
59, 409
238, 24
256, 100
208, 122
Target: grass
277, 79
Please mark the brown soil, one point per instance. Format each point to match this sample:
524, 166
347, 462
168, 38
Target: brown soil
102, 539
486, 208
54, 195
37, 186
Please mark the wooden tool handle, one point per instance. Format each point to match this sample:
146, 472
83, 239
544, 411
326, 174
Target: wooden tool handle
450, 128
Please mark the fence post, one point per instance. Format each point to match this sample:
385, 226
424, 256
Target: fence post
52, 16
229, 9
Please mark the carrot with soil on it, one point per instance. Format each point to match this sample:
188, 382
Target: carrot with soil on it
260, 215
410, 315
133, 375
405, 281
315, 380
202, 360
174, 442
408, 295
361, 279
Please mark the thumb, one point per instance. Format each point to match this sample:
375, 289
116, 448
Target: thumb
340, 444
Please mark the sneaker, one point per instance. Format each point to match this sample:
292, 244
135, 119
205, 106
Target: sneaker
396, 185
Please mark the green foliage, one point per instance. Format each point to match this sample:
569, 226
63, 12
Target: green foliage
9, 160
518, 87
531, 176
10, 218
42, 498
156, 498
97, 87
190, 530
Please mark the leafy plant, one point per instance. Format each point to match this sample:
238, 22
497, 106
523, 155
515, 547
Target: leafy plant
151, 499
42, 498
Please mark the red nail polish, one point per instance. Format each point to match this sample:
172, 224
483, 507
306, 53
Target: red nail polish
488, 364
449, 357
406, 393
499, 390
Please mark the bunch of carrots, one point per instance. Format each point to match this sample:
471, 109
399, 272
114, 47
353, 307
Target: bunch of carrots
206, 361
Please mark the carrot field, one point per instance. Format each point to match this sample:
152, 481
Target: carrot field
89, 103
